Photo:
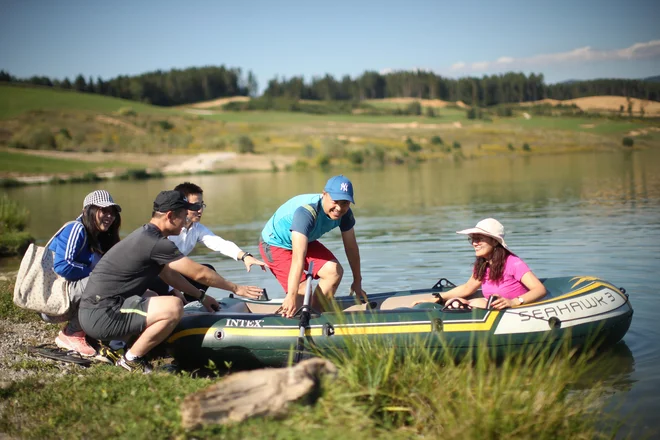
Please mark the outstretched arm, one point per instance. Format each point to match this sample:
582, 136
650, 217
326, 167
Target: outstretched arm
462, 291
353, 254
174, 279
204, 275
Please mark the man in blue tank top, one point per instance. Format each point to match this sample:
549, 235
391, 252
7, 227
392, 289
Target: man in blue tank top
289, 242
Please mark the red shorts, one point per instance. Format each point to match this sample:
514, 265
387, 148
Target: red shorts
279, 260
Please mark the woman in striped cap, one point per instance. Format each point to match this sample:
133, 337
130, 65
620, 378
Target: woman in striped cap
77, 249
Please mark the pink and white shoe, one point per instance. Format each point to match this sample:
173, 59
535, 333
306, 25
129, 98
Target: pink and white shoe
75, 342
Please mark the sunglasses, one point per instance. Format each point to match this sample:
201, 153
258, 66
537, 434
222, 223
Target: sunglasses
476, 238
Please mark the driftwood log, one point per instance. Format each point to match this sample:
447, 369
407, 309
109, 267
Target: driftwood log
265, 392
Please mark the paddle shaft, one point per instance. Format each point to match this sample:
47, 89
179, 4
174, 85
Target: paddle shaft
304, 314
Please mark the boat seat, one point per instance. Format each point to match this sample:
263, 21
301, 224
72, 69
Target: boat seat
266, 309
356, 308
396, 302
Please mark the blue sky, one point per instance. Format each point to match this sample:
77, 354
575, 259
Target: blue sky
563, 39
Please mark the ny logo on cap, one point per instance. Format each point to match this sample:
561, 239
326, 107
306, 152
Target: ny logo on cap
344, 187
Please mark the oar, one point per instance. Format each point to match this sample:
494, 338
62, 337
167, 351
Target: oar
304, 314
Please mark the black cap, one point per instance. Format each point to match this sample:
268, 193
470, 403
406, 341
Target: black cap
173, 200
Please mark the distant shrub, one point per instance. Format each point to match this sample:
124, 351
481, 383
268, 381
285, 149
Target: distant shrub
8, 182
164, 125
273, 167
436, 140
628, 141
456, 145
126, 111
323, 161
244, 145
87, 177
332, 147
376, 153
140, 174
412, 146
526, 147
414, 108
430, 113
510, 146
309, 151
356, 157
64, 133
471, 113
34, 138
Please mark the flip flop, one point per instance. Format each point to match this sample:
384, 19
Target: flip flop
59, 354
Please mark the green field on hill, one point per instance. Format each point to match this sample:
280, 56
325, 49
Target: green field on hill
15, 101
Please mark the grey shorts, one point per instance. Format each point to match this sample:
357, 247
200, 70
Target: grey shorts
125, 319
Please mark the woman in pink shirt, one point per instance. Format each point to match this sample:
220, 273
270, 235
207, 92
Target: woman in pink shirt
497, 270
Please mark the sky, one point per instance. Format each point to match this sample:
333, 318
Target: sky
562, 39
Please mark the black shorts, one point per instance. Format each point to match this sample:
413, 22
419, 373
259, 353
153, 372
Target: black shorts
125, 319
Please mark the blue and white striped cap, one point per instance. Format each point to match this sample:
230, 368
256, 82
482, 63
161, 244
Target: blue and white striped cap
100, 198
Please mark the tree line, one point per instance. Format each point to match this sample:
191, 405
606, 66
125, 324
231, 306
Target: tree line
486, 91
174, 87
177, 87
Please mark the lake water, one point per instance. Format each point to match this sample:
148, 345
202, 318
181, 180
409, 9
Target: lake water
590, 214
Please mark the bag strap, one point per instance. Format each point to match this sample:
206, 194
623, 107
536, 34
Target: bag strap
58, 233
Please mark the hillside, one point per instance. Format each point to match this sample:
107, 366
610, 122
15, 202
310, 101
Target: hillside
606, 104
16, 100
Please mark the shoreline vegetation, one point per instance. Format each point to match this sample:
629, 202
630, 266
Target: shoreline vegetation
14, 239
378, 393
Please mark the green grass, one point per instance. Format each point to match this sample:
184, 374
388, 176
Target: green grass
378, 393
273, 117
600, 125
8, 311
33, 164
15, 101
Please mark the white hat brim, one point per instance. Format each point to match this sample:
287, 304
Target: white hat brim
480, 231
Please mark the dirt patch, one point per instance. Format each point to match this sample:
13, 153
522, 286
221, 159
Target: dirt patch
606, 103
218, 102
587, 125
438, 103
118, 123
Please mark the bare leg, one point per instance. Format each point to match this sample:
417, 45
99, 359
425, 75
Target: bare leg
163, 314
330, 276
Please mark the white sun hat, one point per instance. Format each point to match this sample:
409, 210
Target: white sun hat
489, 227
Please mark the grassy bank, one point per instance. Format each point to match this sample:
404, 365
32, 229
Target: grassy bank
73, 122
376, 395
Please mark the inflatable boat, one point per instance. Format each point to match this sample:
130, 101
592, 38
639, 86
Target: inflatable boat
249, 334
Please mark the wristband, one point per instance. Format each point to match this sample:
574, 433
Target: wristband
201, 298
245, 254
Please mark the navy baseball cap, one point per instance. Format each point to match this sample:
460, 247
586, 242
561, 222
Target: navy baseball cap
173, 200
340, 188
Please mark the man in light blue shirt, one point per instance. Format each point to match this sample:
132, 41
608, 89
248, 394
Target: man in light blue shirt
289, 242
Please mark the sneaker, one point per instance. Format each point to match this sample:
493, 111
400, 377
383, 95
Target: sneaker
108, 355
75, 342
138, 364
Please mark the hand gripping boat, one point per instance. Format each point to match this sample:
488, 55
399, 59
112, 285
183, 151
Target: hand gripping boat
249, 334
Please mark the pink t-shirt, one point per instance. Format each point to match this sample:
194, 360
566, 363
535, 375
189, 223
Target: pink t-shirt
509, 286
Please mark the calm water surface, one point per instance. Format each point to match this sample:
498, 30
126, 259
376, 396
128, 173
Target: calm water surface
592, 214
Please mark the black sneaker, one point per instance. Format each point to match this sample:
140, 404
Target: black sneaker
138, 364
108, 355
